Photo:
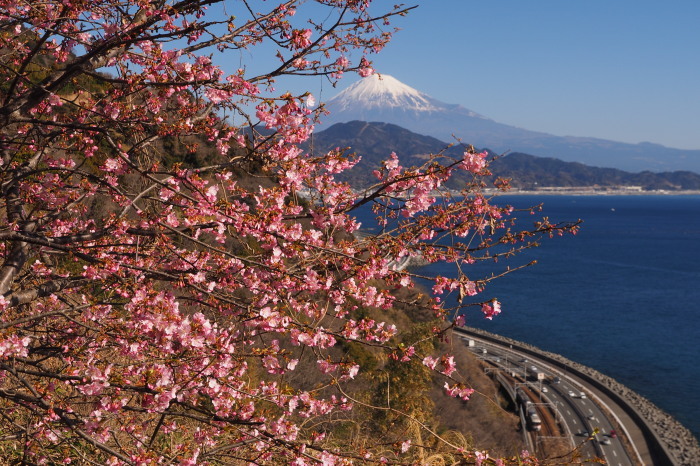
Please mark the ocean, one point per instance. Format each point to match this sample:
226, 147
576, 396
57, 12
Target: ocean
622, 296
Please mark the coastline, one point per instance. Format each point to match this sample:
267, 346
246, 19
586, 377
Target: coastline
654, 225
560, 191
581, 191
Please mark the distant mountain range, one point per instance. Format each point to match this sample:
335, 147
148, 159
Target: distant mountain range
375, 141
387, 100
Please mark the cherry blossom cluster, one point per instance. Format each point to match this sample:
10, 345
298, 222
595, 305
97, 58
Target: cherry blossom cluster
155, 303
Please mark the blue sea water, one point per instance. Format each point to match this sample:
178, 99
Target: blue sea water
622, 296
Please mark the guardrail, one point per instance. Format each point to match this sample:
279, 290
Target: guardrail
660, 454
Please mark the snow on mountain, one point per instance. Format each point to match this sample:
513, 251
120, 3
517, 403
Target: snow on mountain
383, 98
382, 92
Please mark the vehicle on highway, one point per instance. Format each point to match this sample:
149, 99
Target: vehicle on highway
544, 390
535, 373
605, 441
582, 395
572, 393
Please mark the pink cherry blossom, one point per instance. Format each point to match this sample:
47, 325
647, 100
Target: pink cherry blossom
301, 38
182, 272
491, 309
458, 391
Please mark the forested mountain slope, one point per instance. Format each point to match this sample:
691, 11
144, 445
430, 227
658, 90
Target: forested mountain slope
374, 141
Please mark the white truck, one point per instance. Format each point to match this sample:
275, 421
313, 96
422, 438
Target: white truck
535, 373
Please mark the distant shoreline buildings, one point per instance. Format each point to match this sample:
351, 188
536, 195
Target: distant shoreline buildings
592, 190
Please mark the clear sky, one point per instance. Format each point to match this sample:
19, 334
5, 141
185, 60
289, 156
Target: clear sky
626, 70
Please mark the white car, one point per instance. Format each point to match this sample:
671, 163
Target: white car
572, 394
582, 395
605, 441
544, 390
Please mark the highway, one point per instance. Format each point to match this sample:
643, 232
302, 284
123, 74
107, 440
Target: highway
581, 424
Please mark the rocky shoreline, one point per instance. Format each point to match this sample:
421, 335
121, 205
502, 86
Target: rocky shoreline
678, 440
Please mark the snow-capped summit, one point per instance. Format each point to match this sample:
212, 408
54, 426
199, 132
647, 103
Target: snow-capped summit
383, 98
383, 91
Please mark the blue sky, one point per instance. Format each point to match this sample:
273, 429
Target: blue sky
615, 69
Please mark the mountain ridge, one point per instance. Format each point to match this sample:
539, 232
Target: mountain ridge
374, 141
385, 99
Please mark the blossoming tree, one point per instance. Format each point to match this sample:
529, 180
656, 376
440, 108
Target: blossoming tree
151, 307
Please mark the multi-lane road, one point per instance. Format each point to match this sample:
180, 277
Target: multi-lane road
583, 424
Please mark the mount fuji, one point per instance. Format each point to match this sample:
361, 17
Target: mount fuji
383, 98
